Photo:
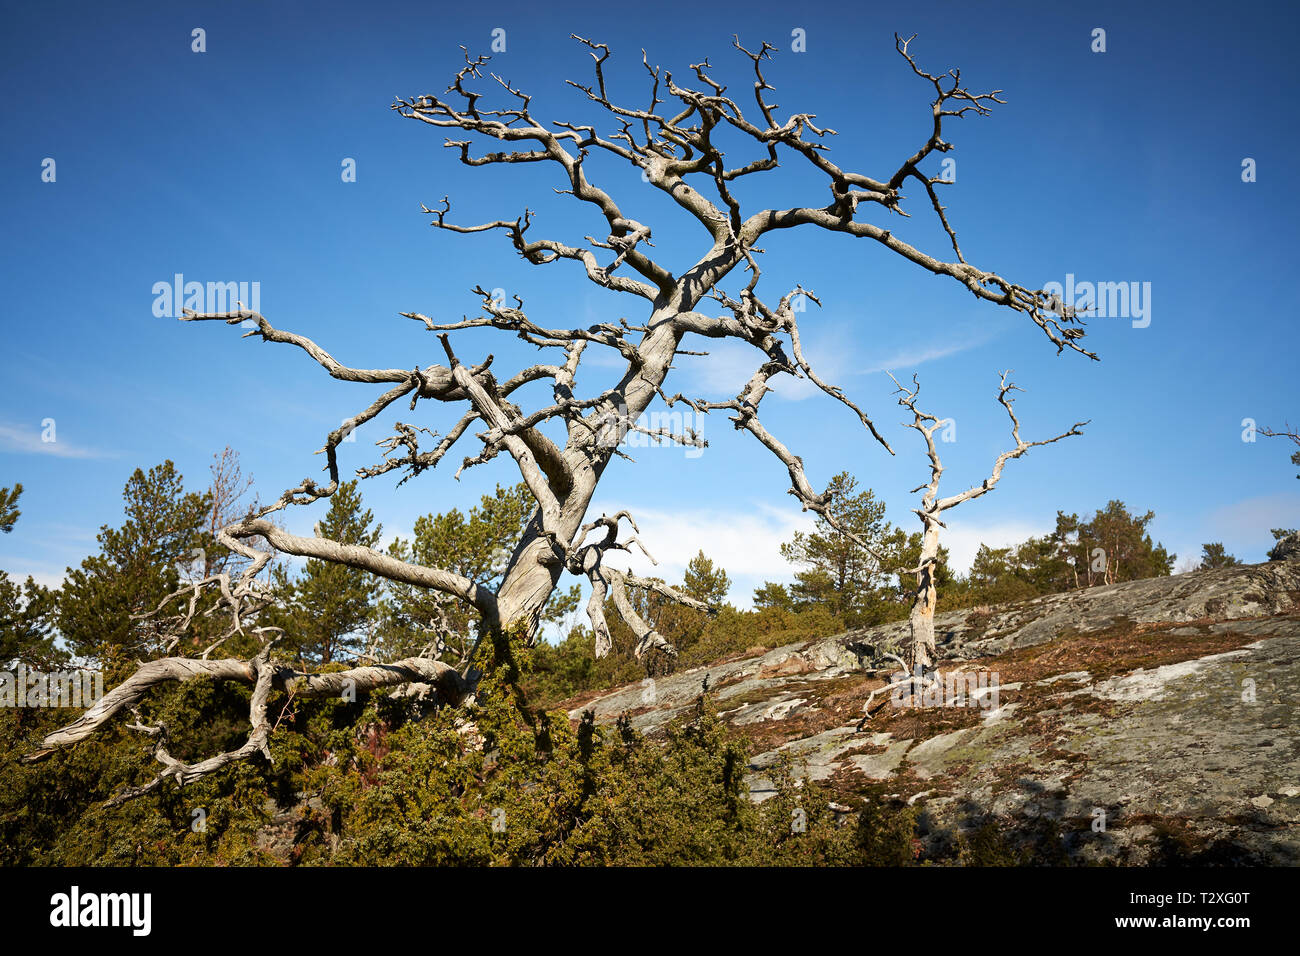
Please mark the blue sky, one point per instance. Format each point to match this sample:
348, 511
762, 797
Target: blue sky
1122, 166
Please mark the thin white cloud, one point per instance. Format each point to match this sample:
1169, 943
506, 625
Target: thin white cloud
831, 351
25, 440
731, 363
908, 359
746, 543
963, 540
50, 580
725, 370
42, 572
59, 531
1253, 517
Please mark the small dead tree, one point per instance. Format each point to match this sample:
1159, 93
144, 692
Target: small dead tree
921, 648
1287, 432
677, 144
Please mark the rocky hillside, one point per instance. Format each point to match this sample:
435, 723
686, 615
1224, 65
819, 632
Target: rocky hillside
1148, 722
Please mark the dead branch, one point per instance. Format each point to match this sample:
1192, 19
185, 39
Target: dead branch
674, 141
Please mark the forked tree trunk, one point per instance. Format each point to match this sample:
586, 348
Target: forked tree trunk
562, 477
534, 570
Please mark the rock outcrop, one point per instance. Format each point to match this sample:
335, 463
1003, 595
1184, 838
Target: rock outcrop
1146, 722
1287, 549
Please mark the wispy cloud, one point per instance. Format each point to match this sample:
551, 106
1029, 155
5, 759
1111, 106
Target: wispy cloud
46, 573
910, 358
745, 543
831, 350
1255, 516
963, 540
25, 440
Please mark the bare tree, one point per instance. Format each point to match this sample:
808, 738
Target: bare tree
921, 649
229, 488
1287, 544
1287, 432
676, 143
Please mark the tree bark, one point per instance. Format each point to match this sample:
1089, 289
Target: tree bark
667, 149
921, 651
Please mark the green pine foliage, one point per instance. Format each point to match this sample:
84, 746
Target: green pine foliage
328, 611
9, 512
508, 779
26, 610
1214, 555
139, 564
381, 781
476, 545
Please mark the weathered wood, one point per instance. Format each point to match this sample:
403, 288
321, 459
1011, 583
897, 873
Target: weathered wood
675, 152
921, 647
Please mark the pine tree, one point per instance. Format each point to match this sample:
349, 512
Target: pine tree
903, 551
705, 582
26, 610
1114, 546
26, 625
100, 602
991, 579
9, 507
475, 545
773, 595
838, 573
331, 607
1213, 555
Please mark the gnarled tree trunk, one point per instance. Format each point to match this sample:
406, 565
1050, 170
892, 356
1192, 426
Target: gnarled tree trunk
675, 152
921, 651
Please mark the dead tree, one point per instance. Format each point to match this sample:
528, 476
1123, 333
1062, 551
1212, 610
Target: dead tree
1287, 432
676, 142
917, 662
921, 648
